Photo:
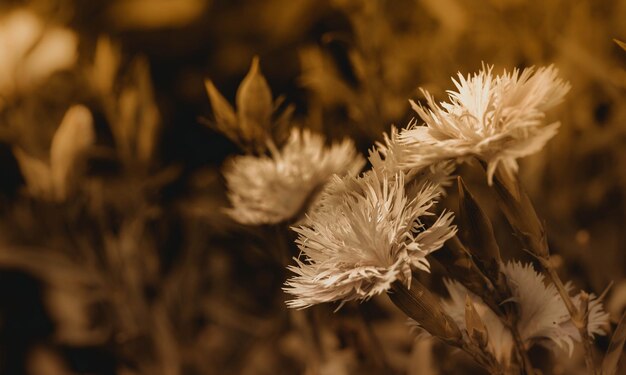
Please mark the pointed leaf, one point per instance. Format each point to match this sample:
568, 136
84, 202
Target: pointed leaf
105, 66
620, 43
72, 138
36, 174
225, 117
148, 123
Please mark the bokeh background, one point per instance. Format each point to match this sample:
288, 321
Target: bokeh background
138, 271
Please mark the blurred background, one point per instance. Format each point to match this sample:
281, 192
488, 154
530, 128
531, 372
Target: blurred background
129, 266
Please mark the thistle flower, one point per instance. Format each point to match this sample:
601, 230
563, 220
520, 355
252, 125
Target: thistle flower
364, 234
276, 188
497, 119
543, 317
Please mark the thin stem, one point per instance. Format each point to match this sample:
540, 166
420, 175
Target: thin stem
521, 214
579, 320
521, 350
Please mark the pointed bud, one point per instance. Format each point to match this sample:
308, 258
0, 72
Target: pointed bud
520, 213
460, 265
476, 329
254, 104
74, 135
477, 233
419, 304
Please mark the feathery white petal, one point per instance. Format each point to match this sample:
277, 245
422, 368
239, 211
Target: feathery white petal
363, 235
275, 188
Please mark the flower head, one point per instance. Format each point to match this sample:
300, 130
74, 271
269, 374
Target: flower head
275, 188
543, 317
497, 119
364, 234
543, 312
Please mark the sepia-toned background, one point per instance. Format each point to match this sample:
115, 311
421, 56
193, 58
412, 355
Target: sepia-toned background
133, 267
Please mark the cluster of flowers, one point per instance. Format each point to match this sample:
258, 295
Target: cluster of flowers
366, 234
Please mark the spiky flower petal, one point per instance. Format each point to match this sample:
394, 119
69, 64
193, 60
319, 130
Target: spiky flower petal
390, 157
276, 188
364, 234
543, 319
497, 119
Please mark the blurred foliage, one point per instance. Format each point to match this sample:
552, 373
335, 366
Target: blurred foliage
135, 269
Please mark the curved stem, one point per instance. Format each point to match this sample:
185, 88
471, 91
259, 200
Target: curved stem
579, 318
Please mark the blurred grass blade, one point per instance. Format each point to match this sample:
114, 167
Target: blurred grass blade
614, 352
620, 43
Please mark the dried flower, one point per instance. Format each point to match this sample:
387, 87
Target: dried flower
543, 316
364, 234
276, 188
497, 119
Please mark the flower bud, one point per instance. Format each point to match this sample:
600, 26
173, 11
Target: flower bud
254, 104
419, 304
477, 233
476, 329
520, 213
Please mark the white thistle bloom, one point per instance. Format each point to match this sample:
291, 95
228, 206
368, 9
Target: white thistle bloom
364, 234
276, 188
497, 119
543, 319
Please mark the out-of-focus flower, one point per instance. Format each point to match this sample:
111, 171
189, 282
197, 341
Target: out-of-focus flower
276, 188
364, 234
51, 180
543, 317
31, 51
497, 119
